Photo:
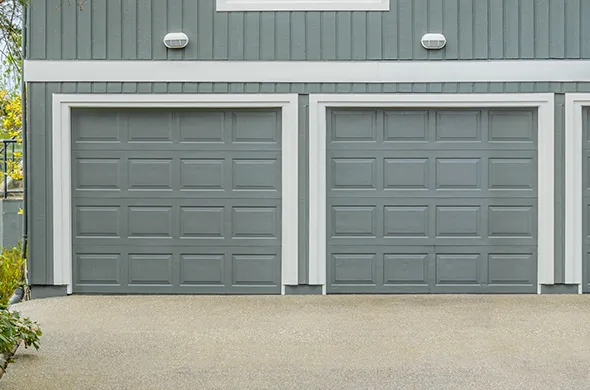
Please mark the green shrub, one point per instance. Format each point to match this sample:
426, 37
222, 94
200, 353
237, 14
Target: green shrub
12, 267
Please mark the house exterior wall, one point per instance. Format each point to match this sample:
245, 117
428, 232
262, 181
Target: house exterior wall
475, 29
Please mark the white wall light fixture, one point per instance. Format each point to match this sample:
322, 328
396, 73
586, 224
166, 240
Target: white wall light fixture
176, 40
433, 41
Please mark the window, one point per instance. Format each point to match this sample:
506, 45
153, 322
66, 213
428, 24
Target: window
302, 5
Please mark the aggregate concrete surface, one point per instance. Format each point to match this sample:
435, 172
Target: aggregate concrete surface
307, 342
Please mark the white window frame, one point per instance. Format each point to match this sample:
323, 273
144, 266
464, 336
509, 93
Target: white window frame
319, 103
62, 163
303, 5
574, 153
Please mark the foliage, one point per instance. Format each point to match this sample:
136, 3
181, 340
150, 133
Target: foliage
11, 128
12, 267
14, 328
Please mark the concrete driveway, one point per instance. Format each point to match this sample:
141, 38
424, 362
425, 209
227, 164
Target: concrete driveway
307, 342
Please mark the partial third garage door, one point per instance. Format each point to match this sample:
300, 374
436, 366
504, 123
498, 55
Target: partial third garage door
432, 200
176, 201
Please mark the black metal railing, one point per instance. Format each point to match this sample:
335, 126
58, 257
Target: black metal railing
11, 157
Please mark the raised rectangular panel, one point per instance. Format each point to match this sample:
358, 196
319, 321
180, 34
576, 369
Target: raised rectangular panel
256, 126
458, 173
354, 221
150, 221
458, 221
201, 174
255, 222
150, 269
511, 221
458, 126
353, 268
405, 268
98, 268
150, 126
511, 268
254, 269
457, 269
512, 174
95, 126
97, 221
354, 173
510, 126
405, 126
196, 126
201, 222
405, 221
97, 174
405, 173
354, 126
201, 269
256, 174
150, 174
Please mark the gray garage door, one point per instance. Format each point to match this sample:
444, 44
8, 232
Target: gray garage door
176, 201
586, 200
432, 200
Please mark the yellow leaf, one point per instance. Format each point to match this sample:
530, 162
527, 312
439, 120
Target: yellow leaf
21, 211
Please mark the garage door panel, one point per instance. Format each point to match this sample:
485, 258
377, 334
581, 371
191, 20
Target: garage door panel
456, 186
177, 201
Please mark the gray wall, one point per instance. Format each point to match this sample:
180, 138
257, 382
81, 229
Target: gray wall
11, 224
39, 202
476, 29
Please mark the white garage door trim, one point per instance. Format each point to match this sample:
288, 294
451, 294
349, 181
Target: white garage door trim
61, 158
317, 162
574, 103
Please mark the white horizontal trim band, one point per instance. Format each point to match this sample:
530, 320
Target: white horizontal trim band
308, 71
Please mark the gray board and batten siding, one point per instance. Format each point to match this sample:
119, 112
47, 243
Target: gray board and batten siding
40, 162
475, 29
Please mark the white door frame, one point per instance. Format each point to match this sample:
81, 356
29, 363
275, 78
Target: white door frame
62, 163
574, 240
318, 104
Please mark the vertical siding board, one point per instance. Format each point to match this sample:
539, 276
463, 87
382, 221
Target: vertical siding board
192, 87
190, 21
526, 33
84, 31
39, 256
144, 30
450, 26
175, 88
283, 36
99, 29
69, 32
220, 35
328, 40
420, 17
436, 15
220, 88
313, 35
343, 35
572, 28
38, 19
405, 36
359, 36
252, 38
480, 29
298, 36
557, 29
511, 28
159, 29
129, 35
390, 32
496, 23
584, 29
465, 38
174, 8
267, 30
205, 18
129, 88
542, 28
114, 29
54, 30
374, 36
113, 87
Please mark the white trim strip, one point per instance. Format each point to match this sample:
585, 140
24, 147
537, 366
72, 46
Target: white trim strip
308, 71
61, 158
303, 5
574, 208
318, 105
